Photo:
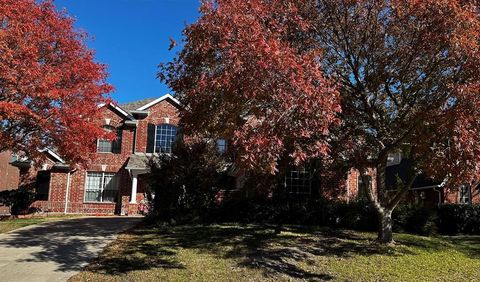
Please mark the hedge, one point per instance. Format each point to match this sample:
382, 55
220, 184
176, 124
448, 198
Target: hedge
459, 219
446, 219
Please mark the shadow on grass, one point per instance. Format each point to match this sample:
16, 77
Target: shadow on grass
468, 245
251, 246
258, 247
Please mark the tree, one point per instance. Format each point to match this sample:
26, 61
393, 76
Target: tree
250, 71
50, 86
187, 181
409, 80
272, 74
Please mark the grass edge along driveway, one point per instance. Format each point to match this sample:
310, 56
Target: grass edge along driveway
8, 224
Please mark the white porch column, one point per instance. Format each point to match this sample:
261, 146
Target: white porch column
133, 197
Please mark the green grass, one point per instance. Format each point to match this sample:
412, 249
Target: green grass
7, 225
253, 253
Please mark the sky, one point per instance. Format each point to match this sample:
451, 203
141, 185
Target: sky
132, 38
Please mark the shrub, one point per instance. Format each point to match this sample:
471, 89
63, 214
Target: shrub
187, 181
454, 219
19, 200
416, 219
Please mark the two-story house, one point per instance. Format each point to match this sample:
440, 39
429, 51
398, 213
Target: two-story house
113, 182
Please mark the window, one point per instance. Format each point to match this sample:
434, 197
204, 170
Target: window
165, 136
362, 188
101, 187
4, 23
222, 146
298, 181
465, 194
14, 158
42, 186
106, 146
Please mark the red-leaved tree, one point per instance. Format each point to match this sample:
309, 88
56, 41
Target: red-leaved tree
261, 72
249, 72
50, 85
410, 80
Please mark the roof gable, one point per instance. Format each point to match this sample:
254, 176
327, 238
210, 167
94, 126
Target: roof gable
118, 110
166, 97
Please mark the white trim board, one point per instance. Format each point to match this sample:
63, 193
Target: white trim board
156, 101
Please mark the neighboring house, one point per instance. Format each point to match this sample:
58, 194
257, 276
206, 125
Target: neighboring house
8, 177
8, 174
115, 182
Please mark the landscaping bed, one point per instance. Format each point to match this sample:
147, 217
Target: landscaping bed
232, 252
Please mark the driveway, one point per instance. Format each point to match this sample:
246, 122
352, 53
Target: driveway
55, 251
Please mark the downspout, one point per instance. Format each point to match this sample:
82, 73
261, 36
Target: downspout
134, 145
348, 188
439, 196
68, 189
441, 186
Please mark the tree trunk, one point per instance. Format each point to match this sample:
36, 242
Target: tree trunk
385, 228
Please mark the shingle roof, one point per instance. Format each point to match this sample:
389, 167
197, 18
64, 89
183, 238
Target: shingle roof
138, 161
131, 106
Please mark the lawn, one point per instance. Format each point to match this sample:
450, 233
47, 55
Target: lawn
253, 253
12, 224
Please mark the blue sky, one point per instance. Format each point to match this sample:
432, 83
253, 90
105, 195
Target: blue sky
132, 37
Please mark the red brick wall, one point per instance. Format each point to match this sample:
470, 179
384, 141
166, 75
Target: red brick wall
163, 112
158, 114
101, 162
337, 187
108, 162
8, 173
8, 177
452, 196
476, 196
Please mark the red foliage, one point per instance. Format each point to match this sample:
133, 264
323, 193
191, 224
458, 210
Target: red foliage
409, 77
249, 72
50, 85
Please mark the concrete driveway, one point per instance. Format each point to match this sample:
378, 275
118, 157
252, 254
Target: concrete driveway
55, 251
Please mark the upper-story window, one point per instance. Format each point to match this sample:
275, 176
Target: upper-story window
222, 146
107, 146
165, 136
465, 194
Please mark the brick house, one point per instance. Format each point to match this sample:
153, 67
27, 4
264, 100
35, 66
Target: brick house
8, 176
114, 181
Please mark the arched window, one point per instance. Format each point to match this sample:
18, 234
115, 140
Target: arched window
165, 136
107, 146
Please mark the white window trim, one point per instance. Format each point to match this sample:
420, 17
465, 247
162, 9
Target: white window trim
309, 192
111, 143
155, 139
469, 196
102, 188
98, 152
